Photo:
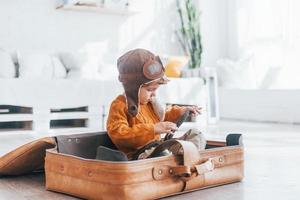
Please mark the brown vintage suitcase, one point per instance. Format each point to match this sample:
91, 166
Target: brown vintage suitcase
71, 168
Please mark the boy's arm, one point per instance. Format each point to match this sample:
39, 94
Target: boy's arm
173, 113
122, 134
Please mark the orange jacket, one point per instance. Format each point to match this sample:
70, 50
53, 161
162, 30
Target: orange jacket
131, 133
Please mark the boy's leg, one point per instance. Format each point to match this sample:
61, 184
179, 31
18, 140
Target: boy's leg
196, 137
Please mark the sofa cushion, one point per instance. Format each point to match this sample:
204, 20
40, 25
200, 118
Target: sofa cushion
7, 67
59, 69
81, 64
35, 65
237, 73
40, 65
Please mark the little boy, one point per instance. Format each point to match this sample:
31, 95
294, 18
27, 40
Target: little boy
135, 118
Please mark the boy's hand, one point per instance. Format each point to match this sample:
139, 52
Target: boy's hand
195, 110
165, 127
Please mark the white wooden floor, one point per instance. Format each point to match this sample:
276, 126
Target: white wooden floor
272, 166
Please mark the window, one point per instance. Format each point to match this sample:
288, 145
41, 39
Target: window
269, 31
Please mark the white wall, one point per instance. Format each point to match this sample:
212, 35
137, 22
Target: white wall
35, 25
214, 28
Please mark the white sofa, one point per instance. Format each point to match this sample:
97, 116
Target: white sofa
50, 94
257, 93
43, 102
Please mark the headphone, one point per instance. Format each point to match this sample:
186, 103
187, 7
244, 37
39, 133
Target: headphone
152, 69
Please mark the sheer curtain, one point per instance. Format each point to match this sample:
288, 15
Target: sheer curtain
268, 31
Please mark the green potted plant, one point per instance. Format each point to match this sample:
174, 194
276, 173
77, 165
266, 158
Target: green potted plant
189, 35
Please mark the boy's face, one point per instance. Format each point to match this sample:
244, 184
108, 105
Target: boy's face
147, 92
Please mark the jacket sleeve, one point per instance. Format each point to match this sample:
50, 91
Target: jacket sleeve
173, 113
124, 135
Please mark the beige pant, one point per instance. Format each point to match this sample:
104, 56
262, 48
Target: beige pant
192, 135
196, 137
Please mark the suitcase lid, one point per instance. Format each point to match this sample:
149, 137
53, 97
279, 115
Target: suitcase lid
26, 158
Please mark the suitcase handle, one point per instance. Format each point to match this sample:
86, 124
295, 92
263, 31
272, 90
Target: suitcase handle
187, 149
186, 172
205, 167
190, 158
190, 166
